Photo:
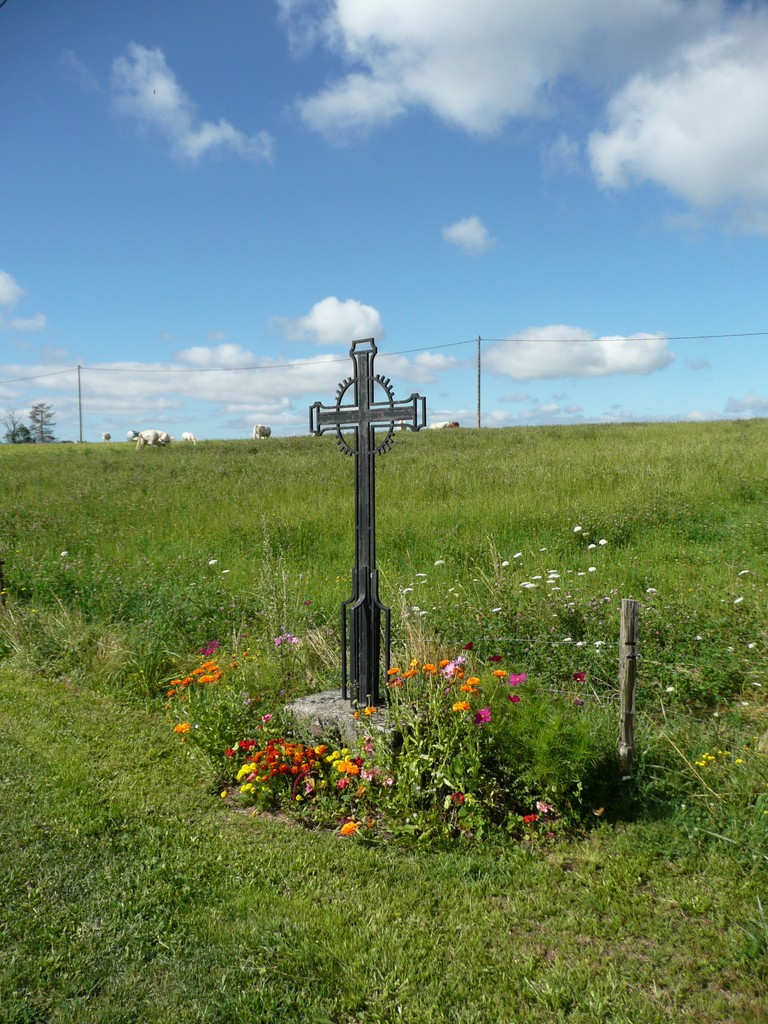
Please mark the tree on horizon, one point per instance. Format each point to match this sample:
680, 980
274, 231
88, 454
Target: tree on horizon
42, 422
16, 432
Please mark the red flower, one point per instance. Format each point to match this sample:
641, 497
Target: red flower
468, 647
495, 657
579, 677
528, 819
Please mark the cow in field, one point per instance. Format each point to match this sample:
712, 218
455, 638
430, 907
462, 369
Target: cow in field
186, 436
260, 431
152, 439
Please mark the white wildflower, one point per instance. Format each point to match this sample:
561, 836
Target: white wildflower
738, 600
212, 561
602, 542
505, 563
591, 569
518, 554
440, 561
64, 554
577, 529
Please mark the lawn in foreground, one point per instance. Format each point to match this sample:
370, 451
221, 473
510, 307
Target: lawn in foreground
130, 895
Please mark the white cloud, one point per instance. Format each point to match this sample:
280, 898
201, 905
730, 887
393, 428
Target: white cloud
38, 322
697, 127
10, 290
10, 294
333, 322
469, 234
478, 65
145, 88
561, 351
751, 403
424, 369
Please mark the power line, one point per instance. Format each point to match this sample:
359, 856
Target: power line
399, 352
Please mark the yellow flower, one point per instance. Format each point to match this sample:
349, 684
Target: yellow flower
413, 663
349, 829
223, 793
461, 705
370, 710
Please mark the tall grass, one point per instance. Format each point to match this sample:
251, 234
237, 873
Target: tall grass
476, 534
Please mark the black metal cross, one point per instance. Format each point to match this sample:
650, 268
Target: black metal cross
361, 613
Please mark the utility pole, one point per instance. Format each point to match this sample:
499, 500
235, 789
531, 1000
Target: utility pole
478, 382
80, 403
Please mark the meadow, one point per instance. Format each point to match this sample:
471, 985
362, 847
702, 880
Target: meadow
134, 892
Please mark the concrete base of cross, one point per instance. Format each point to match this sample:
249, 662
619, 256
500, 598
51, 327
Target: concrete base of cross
323, 715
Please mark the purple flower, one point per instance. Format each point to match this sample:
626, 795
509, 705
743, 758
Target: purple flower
513, 697
482, 716
286, 638
515, 680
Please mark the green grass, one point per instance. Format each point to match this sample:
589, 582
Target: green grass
130, 892
130, 895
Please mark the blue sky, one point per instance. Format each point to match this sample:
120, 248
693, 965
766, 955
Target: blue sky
204, 205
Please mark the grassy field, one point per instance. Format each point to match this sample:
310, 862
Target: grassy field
132, 893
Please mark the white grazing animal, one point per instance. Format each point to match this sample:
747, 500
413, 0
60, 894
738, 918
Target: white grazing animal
186, 436
260, 431
443, 424
106, 437
165, 437
153, 438
131, 435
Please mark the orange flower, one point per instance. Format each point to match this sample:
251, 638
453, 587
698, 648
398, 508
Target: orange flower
393, 672
429, 667
182, 727
443, 663
409, 674
370, 710
349, 829
461, 705
499, 673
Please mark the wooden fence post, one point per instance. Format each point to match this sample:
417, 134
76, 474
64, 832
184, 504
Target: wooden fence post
630, 611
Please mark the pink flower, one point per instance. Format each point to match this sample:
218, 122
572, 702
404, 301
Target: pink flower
513, 697
342, 783
579, 677
266, 718
515, 680
482, 716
